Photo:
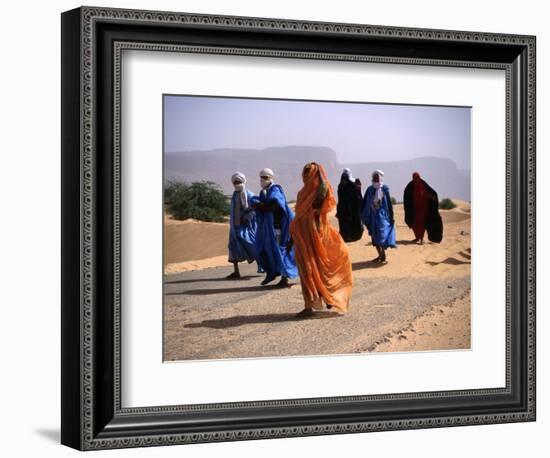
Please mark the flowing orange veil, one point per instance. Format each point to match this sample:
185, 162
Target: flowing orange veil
321, 254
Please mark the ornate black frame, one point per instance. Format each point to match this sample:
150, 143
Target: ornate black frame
92, 42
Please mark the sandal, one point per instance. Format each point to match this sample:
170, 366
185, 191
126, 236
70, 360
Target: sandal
283, 283
269, 278
305, 313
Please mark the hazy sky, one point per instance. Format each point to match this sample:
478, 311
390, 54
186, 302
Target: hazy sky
357, 132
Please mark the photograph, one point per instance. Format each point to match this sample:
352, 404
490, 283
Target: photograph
301, 228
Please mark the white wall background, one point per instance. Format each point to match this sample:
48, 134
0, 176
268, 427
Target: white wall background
30, 227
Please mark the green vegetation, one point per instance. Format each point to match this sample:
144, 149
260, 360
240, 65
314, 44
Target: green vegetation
203, 200
171, 189
393, 200
447, 204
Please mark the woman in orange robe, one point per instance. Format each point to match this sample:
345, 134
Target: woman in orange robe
321, 255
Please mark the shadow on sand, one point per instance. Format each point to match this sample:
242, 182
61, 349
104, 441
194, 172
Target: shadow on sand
366, 265
241, 320
407, 242
450, 261
239, 289
466, 254
197, 280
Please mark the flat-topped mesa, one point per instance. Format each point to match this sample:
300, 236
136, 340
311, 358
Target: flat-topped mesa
287, 162
218, 165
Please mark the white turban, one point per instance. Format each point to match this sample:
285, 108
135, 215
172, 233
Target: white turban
238, 175
243, 195
347, 172
267, 172
378, 186
266, 183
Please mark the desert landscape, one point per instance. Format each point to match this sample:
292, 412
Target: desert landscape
418, 301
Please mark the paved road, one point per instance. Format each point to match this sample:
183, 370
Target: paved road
209, 317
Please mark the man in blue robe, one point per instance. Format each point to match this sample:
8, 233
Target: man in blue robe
242, 225
377, 213
273, 217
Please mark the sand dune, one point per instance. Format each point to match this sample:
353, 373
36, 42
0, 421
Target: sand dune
192, 245
191, 240
462, 205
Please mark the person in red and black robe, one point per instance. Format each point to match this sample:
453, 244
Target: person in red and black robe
422, 210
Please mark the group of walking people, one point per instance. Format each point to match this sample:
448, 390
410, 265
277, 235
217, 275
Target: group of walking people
374, 211
288, 244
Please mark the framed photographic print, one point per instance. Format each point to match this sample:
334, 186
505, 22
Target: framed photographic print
278, 228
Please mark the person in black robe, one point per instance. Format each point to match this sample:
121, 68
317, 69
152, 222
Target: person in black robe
348, 209
422, 210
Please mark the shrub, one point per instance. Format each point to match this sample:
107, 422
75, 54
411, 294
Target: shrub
447, 204
393, 200
203, 200
171, 188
